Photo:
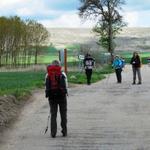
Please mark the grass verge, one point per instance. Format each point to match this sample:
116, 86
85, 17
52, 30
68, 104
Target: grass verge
98, 74
21, 84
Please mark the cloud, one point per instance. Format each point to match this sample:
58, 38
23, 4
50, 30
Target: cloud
131, 18
10, 7
137, 18
34, 13
31, 9
137, 5
11, 4
69, 19
34, 8
143, 18
62, 13
5, 3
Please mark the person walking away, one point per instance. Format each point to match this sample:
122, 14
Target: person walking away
56, 92
118, 64
88, 63
136, 67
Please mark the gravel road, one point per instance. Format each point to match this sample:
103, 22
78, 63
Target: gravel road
102, 116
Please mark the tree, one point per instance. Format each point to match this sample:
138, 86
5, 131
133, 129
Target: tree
17, 30
18, 39
39, 35
3, 21
109, 21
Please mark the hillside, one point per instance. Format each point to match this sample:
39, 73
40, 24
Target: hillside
128, 39
61, 37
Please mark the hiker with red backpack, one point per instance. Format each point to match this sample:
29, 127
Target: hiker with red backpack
56, 92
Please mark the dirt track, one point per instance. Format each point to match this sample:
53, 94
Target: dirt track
103, 116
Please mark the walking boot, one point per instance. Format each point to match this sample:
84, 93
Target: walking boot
53, 135
139, 83
64, 133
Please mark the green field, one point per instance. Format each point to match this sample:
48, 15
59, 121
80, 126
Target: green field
51, 53
20, 83
128, 55
46, 55
98, 74
72, 57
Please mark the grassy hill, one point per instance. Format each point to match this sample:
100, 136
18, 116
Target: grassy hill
130, 39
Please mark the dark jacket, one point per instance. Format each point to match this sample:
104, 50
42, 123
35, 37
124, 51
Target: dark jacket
136, 62
88, 63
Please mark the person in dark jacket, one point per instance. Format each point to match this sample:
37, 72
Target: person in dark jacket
136, 67
57, 99
88, 63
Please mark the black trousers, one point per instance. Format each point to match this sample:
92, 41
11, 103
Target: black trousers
54, 103
118, 74
88, 73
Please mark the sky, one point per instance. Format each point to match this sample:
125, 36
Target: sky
64, 13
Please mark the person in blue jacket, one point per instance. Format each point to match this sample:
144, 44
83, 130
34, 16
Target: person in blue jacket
118, 64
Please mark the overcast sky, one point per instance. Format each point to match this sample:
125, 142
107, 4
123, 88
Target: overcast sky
64, 13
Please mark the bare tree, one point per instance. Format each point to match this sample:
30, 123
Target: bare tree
109, 21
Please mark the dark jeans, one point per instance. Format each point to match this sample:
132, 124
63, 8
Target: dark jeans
54, 103
88, 73
118, 75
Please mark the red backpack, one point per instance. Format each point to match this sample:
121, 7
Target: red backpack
56, 84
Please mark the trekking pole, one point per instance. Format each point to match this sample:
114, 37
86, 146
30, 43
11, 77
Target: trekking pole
48, 120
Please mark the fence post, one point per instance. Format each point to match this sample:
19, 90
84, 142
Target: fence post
65, 60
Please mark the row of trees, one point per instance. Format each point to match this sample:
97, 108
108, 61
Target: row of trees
20, 40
